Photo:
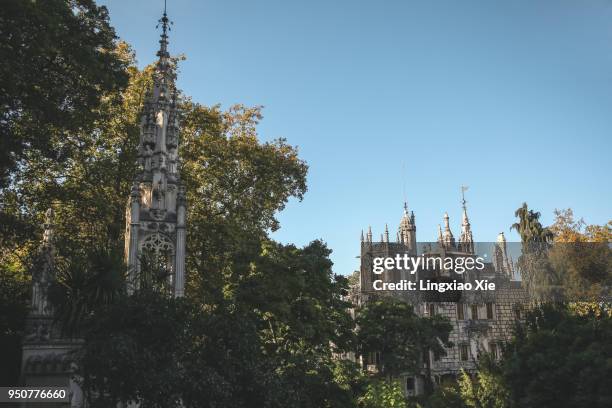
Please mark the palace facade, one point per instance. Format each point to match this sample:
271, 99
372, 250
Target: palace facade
482, 321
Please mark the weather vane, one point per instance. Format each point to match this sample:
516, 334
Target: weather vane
463, 190
164, 21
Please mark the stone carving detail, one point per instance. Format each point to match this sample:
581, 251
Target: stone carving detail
158, 244
39, 331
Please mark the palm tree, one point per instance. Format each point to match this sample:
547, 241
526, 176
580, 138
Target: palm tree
93, 279
537, 275
529, 227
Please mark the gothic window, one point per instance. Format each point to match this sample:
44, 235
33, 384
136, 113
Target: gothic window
475, 312
158, 253
431, 309
158, 243
490, 311
517, 311
410, 384
460, 314
463, 352
493, 349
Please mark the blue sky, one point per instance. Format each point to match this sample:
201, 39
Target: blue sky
394, 99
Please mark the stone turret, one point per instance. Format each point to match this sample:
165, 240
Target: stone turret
501, 259
448, 240
156, 209
407, 230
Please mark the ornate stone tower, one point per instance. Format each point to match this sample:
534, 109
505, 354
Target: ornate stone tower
156, 210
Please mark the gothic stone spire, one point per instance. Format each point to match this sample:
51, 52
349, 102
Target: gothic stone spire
466, 241
156, 210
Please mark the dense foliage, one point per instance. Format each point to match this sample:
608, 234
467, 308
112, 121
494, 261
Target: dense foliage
390, 328
56, 62
566, 262
260, 321
560, 359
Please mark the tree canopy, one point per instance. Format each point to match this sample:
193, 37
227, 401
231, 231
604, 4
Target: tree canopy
403, 340
57, 60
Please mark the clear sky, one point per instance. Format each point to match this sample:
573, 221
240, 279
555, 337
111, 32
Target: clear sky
393, 99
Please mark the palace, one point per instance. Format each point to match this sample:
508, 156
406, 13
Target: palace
482, 320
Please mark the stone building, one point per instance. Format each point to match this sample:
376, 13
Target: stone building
482, 321
155, 218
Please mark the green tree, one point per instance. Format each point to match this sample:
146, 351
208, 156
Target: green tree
582, 257
383, 394
402, 339
302, 319
541, 281
57, 60
560, 359
272, 346
566, 262
447, 396
236, 185
14, 293
87, 281
529, 227
486, 389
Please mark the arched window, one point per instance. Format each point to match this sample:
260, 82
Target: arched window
158, 243
157, 257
